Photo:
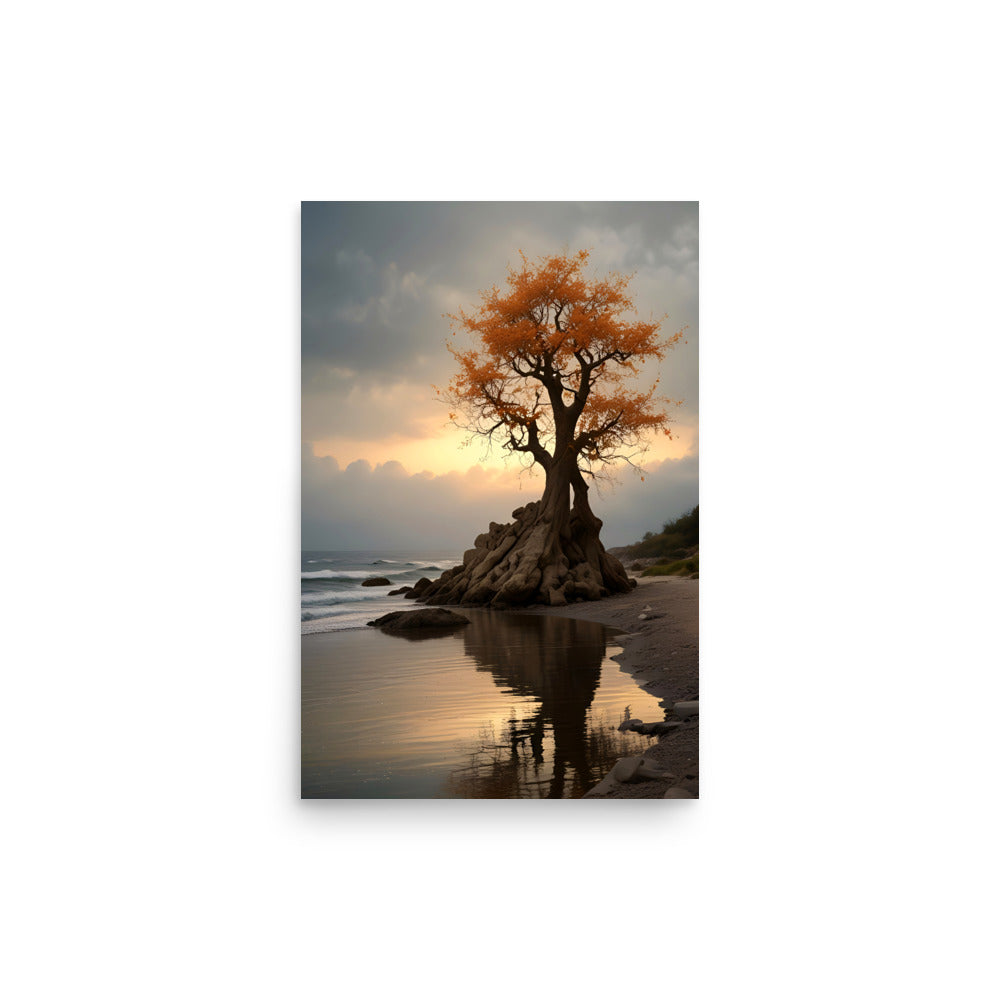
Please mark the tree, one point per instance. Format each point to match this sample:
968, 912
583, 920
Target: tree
546, 380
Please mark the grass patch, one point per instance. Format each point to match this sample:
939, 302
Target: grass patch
681, 567
676, 537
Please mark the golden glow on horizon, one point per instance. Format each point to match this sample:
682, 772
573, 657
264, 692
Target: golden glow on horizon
445, 453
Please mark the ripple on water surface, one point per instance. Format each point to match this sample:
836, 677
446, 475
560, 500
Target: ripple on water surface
510, 706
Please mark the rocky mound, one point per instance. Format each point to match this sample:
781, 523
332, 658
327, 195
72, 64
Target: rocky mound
404, 621
536, 559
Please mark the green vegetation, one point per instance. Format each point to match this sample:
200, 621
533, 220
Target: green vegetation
675, 548
681, 567
673, 542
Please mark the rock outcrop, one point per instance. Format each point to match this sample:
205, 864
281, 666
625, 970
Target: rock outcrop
419, 588
539, 558
423, 618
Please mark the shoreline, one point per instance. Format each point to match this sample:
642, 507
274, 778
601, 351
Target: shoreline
661, 654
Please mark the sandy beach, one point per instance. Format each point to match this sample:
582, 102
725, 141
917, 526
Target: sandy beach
661, 652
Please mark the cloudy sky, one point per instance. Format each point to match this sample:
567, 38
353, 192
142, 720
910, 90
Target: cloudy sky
381, 465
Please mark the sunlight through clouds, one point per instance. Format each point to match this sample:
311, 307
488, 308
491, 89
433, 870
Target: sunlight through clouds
376, 281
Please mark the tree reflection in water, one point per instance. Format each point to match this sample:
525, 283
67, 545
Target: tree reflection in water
559, 750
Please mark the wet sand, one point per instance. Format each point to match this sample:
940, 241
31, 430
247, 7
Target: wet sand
662, 654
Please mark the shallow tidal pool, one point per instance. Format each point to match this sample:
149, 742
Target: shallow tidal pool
510, 706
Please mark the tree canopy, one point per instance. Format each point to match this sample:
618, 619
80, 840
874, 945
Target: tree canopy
549, 369
547, 379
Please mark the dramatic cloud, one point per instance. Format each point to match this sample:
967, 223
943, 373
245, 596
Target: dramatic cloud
376, 279
379, 322
631, 507
364, 506
366, 408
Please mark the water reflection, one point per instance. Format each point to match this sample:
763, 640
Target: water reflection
509, 706
556, 748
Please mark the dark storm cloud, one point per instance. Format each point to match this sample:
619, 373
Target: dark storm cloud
376, 277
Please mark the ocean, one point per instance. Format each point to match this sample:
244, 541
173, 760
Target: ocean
333, 597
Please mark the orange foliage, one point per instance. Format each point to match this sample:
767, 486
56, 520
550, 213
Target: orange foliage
553, 353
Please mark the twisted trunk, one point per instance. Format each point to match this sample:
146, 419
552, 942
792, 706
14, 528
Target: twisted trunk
551, 553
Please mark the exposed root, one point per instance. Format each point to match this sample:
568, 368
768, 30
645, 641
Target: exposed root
532, 561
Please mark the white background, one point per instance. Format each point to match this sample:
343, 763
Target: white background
846, 162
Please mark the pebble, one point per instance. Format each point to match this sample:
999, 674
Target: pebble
633, 768
685, 709
626, 769
677, 793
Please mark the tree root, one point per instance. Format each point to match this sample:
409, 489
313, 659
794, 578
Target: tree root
532, 560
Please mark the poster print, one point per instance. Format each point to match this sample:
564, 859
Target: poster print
499, 577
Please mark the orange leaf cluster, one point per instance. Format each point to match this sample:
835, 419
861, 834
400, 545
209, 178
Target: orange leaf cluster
552, 354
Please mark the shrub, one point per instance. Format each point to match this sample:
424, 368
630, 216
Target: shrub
680, 567
677, 537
